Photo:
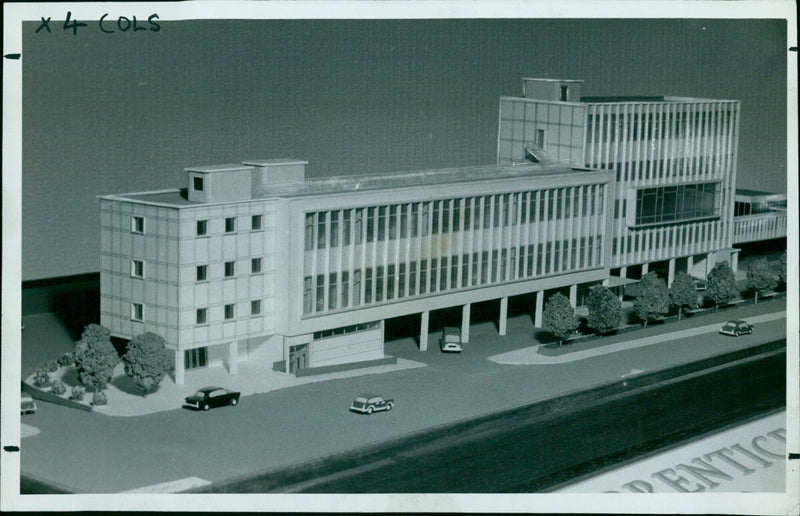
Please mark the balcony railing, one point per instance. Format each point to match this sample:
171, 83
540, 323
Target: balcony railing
761, 226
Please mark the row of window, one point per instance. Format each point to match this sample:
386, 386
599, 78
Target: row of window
256, 224
323, 292
654, 124
330, 228
256, 267
748, 208
202, 314
666, 204
347, 329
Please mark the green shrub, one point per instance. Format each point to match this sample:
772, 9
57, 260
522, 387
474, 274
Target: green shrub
41, 378
78, 392
51, 366
58, 387
99, 398
67, 359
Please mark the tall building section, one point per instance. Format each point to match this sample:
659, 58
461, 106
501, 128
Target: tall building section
674, 160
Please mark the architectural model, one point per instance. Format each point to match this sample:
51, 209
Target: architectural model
252, 261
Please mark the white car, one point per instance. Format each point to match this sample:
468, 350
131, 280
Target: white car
27, 405
450, 341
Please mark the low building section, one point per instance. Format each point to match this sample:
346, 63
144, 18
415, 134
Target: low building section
758, 216
252, 261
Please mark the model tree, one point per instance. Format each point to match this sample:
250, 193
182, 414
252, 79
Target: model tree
559, 317
781, 269
146, 361
652, 298
760, 278
721, 284
95, 357
605, 310
682, 293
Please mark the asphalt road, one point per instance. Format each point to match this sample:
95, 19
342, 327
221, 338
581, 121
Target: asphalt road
536, 447
94, 453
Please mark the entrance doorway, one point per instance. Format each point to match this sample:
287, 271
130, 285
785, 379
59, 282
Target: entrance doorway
195, 358
298, 357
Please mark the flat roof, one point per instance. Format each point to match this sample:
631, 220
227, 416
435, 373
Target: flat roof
274, 161
420, 178
353, 183
757, 193
210, 169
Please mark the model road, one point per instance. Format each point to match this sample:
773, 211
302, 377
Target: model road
534, 448
277, 430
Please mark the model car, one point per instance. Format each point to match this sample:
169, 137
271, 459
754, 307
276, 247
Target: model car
450, 341
736, 328
26, 404
212, 396
369, 403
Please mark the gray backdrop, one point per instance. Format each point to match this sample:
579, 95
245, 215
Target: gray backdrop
123, 112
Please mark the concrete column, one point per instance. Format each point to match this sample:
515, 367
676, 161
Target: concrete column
233, 357
623, 272
735, 262
179, 367
671, 272
645, 268
423, 331
501, 327
537, 317
465, 323
690, 265
711, 257
573, 295
286, 355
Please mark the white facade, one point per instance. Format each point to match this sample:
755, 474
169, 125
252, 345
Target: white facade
674, 159
253, 261
306, 272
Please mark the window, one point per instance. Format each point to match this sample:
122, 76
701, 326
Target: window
202, 227
202, 272
194, 358
539, 142
202, 315
137, 312
197, 183
230, 224
137, 268
255, 265
665, 204
564, 93
255, 307
256, 222
137, 224
229, 269
228, 312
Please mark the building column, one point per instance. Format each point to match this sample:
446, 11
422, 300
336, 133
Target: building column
233, 357
735, 262
465, 323
179, 367
286, 355
671, 272
623, 272
501, 327
645, 268
573, 295
423, 331
537, 317
689, 265
709, 265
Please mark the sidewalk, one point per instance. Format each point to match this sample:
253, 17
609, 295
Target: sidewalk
124, 399
532, 356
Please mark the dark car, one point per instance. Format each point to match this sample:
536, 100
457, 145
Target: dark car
736, 328
369, 403
212, 396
